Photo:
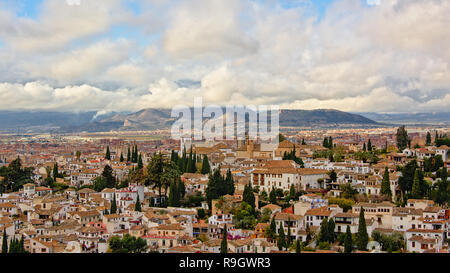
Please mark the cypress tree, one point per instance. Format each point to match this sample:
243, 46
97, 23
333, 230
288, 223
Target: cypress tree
5, 242
298, 247
174, 195
55, 171
386, 183
281, 238
308, 234
369, 146
206, 168
325, 142
181, 188
172, 156
292, 193
108, 153
135, 159
229, 187
402, 138
415, 191
140, 164
114, 205
348, 242
330, 233
224, 243
428, 139
364, 147
121, 157
184, 161
129, 155
22, 245
363, 237
190, 166
137, 206
444, 174
273, 228
330, 143
289, 239
273, 196
323, 233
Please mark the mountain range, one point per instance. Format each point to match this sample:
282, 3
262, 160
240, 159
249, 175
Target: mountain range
437, 118
152, 119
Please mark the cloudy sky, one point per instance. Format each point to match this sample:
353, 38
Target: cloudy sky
117, 55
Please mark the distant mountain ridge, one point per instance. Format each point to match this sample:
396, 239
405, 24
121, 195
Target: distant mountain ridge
153, 118
438, 118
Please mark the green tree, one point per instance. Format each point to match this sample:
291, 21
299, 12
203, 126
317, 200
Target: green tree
155, 170
348, 192
108, 175
55, 172
281, 238
129, 155
114, 205
137, 206
428, 139
348, 242
298, 246
140, 164
331, 235
249, 196
170, 174
244, 216
229, 185
444, 174
99, 183
416, 191
174, 195
5, 242
402, 138
273, 196
121, 157
289, 238
405, 181
333, 175
323, 233
325, 142
386, 183
108, 153
128, 244
281, 138
205, 165
181, 188
362, 236
292, 193
224, 243
271, 231
369, 146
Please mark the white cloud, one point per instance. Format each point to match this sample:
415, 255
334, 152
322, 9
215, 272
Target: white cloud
59, 24
394, 56
208, 27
